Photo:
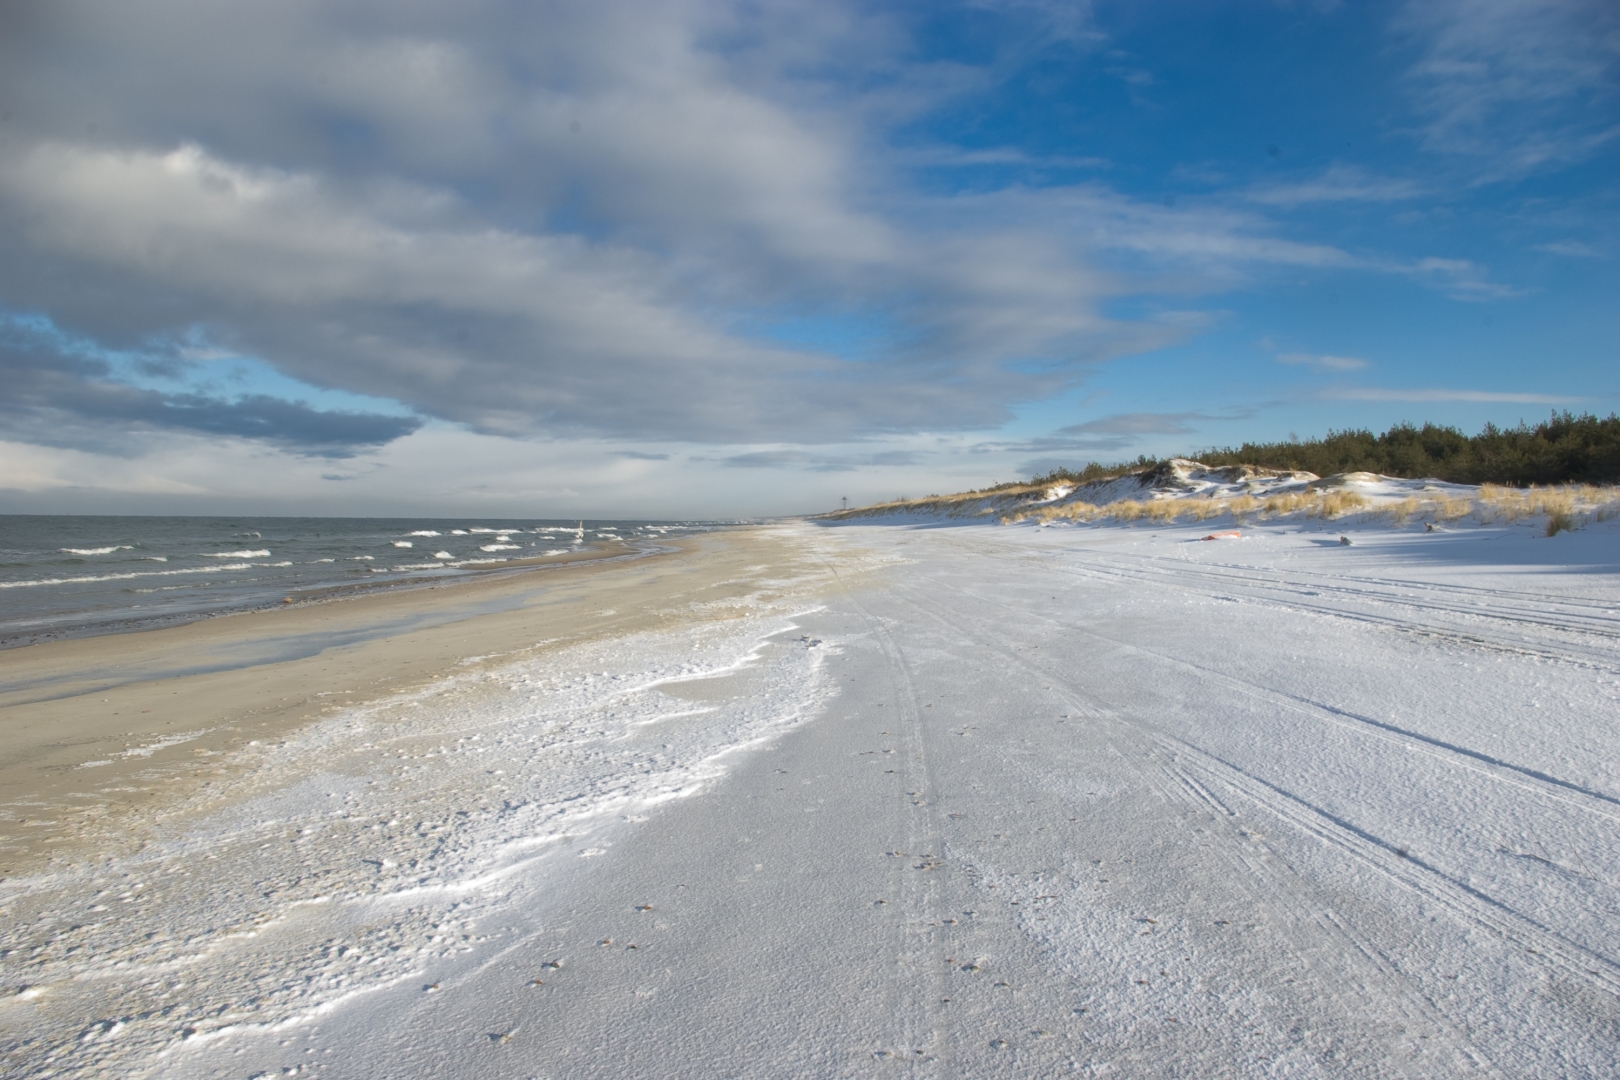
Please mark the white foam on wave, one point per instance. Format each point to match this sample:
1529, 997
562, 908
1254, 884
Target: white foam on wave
403, 544
361, 558
256, 553
458, 532
441, 555
498, 547
423, 532
97, 551
125, 576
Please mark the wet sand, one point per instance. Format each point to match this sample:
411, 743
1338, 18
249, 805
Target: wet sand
93, 727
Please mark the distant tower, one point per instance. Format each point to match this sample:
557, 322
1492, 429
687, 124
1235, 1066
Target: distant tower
845, 501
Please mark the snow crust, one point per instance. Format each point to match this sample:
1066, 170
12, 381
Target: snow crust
1013, 801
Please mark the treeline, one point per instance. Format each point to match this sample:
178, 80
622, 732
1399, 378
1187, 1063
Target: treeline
1563, 449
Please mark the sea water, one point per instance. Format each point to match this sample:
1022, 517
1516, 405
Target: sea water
67, 575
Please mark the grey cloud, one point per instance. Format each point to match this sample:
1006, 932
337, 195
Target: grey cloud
767, 459
528, 221
1105, 435
1138, 423
814, 462
637, 455
59, 400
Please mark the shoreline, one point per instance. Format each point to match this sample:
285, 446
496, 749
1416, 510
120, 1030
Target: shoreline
91, 627
99, 726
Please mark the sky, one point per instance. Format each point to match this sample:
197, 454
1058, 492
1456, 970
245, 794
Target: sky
688, 259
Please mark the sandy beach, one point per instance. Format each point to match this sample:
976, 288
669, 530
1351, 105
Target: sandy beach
95, 726
804, 801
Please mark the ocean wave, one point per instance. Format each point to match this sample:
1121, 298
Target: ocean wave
403, 543
257, 553
498, 547
423, 532
124, 577
97, 551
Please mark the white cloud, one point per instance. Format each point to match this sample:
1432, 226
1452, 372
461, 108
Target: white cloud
1525, 83
1323, 361
1340, 183
1439, 395
1573, 249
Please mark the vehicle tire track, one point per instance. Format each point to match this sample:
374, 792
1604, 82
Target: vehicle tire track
1595, 656
1264, 881
1544, 784
1546, 945
921, 988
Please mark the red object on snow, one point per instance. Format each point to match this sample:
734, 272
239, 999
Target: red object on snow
1229, 534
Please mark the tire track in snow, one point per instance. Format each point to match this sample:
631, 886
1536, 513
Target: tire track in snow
1273, 592
1548, 947
1599, 616
1546, 785
1176, 784
925, 1036
1415, 1008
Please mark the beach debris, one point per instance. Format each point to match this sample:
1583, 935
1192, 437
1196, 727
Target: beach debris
286, 600
1224, 534
1344, 540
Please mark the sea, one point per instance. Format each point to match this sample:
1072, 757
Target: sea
70, 576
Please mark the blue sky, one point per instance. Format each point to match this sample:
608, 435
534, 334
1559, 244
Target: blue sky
561, 259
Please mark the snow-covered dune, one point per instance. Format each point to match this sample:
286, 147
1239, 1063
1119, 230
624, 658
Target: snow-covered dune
1181, 488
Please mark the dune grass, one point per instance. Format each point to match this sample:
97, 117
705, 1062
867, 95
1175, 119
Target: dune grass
1567, 506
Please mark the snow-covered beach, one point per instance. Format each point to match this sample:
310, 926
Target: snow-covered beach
922, 798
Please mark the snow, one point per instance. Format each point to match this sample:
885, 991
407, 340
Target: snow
1183, 488
994, 801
